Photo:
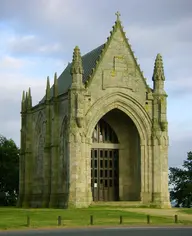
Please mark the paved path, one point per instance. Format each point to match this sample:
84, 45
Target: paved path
106, 231
160, 212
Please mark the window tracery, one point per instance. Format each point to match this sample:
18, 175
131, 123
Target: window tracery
103, 133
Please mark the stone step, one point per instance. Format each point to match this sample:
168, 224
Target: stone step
117, 203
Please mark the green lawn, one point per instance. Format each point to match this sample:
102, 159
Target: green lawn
15, 218
187, 211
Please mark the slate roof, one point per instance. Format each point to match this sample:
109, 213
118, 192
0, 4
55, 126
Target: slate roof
88, 61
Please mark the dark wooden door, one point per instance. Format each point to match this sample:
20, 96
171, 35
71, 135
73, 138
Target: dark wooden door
105, 174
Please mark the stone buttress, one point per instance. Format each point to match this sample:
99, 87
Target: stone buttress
160, 139
78, 188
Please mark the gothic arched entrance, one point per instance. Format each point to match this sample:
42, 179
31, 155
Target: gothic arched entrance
116, 159
104, 163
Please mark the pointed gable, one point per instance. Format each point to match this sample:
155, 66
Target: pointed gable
91, 62
118, 36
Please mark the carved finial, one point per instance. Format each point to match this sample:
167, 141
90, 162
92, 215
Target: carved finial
48, 83
26, 99
55, 90
29, 99
29, 92
55, 78
158, 73
48, 89
118, 15
23, 102
23, 96
77, 67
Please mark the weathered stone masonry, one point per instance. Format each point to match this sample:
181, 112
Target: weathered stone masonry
106, 84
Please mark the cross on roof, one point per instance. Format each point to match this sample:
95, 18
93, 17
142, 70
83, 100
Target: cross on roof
118, 15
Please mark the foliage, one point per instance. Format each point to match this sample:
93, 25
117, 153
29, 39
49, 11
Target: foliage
9, 171
181, 180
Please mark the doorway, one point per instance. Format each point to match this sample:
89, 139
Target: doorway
104, 163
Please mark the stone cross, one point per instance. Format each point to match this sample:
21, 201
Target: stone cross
118, 15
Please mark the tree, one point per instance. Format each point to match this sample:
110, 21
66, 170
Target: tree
9, 171
181, 181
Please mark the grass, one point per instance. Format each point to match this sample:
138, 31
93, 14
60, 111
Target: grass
187, 211
16, 218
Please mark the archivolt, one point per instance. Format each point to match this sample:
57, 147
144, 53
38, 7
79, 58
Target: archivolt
124, 103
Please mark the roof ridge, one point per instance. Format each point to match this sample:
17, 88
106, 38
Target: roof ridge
92, 50
87, 53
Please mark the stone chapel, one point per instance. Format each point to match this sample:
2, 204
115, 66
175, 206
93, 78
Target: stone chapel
99, 134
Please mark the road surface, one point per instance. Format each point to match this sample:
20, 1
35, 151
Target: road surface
137, 231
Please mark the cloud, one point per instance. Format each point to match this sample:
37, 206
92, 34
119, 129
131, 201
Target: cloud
180, 132
37, 39
167, 38
180, 87
31, 45
10, 102
8, 62
17, 75
178, 150
176, 51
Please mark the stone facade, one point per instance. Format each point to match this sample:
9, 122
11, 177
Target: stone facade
56, 134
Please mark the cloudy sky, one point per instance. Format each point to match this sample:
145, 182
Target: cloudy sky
37, 38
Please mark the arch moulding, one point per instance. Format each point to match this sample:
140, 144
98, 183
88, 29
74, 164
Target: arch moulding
142, 121
126, 104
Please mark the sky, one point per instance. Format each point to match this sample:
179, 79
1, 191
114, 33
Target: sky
37, 39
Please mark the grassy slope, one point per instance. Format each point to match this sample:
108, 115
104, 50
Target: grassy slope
12, 218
